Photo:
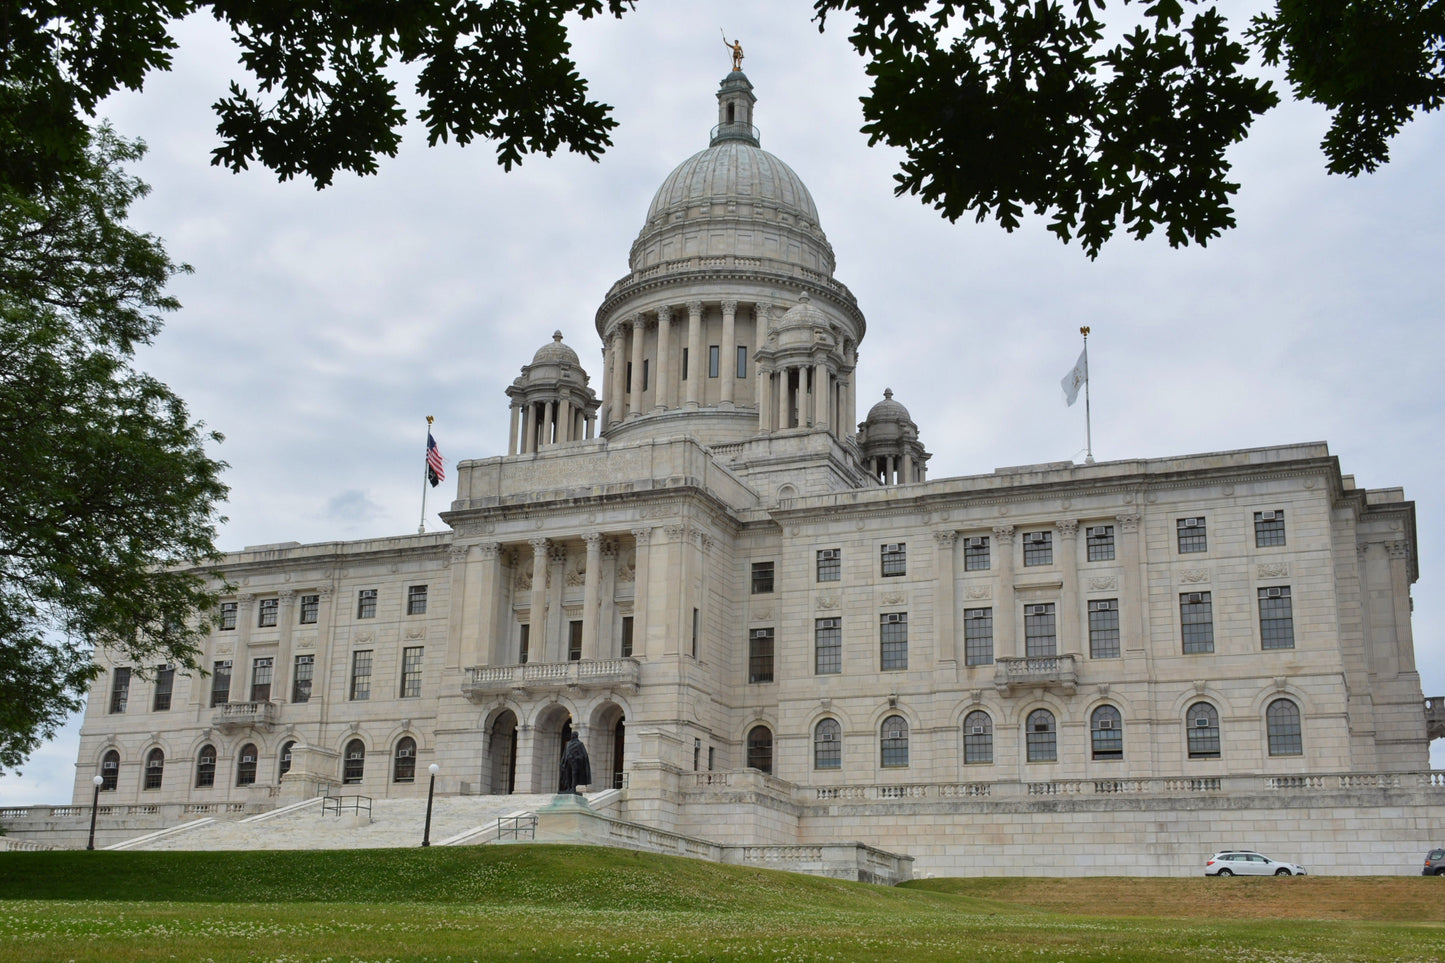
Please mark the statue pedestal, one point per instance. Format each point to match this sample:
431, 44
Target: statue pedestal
566, 802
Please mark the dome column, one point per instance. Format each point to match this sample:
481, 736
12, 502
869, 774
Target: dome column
821, 391
662, 396
617, 388
537, 614
851, 403
729, 361
784, 390
639, 329
694, 350
907, 469
512, 436
549, 424
765, 401
564, 421
609, 359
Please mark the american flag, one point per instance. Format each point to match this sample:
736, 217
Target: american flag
435, 473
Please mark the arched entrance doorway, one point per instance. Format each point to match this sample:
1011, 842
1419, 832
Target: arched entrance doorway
609, 737
502, 754
549, 737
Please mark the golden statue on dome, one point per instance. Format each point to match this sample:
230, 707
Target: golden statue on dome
736, 47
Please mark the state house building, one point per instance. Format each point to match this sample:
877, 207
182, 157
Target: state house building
769, 624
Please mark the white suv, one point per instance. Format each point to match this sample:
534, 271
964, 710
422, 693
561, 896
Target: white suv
1239, 862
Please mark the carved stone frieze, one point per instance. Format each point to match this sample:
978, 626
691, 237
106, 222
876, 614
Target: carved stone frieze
1103, 583
897, 597
1192, 575
1273, 569
982, 591
827, 601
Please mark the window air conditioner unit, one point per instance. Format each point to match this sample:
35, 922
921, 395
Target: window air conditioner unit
893, 617
828, 624
977, 730
1106, 723
1107, 605
1037, 536
1038, 610
1202, 722
355, 756
1194, 597
248, 759
1191, 523
827, 554
893, 547
978, 615
975, 543
1267, 516
1273, 593
404, 753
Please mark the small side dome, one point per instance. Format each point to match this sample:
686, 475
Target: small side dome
555, 353
888, 410
803, 315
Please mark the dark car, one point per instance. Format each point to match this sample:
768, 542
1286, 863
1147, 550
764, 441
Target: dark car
1434, 863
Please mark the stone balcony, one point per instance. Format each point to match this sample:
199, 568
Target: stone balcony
246, 715
1040, 672
488, 680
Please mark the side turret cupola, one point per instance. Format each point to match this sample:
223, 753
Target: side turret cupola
888, 442
551, 401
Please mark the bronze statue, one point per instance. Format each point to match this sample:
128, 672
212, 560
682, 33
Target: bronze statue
576, 769
737, 48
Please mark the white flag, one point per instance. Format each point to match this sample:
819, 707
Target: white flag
1076, 378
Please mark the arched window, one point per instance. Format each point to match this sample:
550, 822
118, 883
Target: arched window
285, 759
354, 763
206, 767
894, 741
246, 765
1202, 721
977, 738
828, 745
109, 770
1106, 731
760, 749
403, 767
1041, 737
155, 769
1282, 721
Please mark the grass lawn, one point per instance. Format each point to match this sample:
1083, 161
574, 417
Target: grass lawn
541, 902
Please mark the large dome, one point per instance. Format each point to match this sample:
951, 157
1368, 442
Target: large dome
729, 173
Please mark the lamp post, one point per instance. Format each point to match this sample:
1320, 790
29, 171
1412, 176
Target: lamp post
430, 792
94, 802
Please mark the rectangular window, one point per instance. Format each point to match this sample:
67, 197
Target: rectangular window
574, 640
684, 364
1104, 629
366, 604
975, 554
1040, 632
1196, 618
694, 632
760, 655
1276, 618
411, 672
120, 689
627, 636
827, 646
978, 636
266, 613
1269, 528
220, 683
165, 684
645, 364
228, 616
893, 641
1192, 535
762, 578
301, 678
416, 600
361, 675
830, 564
629, 377
895, 559
310, 609
524, 633
713, 360
742, 363
261, 670
1100, 539
1038, 548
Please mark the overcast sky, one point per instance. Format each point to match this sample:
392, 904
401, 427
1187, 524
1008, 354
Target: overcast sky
320, 328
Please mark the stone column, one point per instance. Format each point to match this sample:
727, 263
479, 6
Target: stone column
852, 402
607, 646
662, 396
1133, 602
947, 644
591, 427
1005, 632
240, 661
512, 437
642, 538
907, 475
325, 646
763, 379
564, 421
694, 350
281, 674
729, 361
457, 612
784, 401
591, 582
1070, 637
550, 432
617, 410
639, 333
1399, 552
606, 387
528, 420
483, 644
557, 626
537, 618
821, 391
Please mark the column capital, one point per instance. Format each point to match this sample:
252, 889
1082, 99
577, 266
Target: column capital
664, 314
729, 307
538, 544
642, 535
245, 601
1128, 522
458, 554
593, 540
1003, 531
488, 550
1068, 527
638, 322
1398, 549
694, 309
286, 596
945, 539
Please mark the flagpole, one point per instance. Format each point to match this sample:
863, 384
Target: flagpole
1088, 421
425, 477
